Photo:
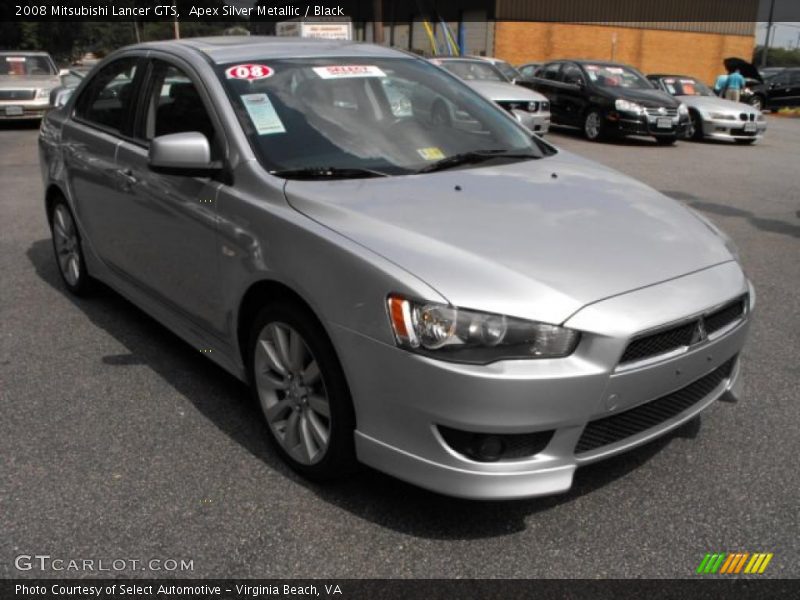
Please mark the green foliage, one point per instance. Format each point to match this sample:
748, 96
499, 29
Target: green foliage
778, 57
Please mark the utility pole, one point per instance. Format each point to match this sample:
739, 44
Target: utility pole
765, 50
377, 21
175, 25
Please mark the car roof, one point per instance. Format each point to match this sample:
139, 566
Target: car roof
662, 75
224, 49
24, 53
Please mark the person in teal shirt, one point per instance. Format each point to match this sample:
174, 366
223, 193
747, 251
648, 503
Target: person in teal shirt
734, 86
720, 83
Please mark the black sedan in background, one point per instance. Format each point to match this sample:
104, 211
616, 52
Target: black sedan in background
782, 89
606, 99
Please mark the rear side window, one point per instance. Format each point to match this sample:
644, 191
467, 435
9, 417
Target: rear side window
550, 71
107, 101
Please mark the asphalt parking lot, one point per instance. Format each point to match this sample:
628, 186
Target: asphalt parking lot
119, 441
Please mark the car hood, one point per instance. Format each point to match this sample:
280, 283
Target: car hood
648, 98
715, 103
16, 82
533, 239
508, 92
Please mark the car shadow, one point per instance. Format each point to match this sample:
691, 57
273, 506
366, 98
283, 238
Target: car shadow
724, 210
613, 140
19, 124
369, 495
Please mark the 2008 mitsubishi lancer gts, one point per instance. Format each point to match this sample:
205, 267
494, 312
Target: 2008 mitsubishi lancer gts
451, 301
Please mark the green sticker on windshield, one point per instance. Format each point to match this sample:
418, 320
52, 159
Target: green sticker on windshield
262, 114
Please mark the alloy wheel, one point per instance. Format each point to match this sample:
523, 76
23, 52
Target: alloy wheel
65, 237
292, 393
592, 126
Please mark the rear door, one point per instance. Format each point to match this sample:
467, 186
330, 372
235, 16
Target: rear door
573, 94
546, 82
171, 238
102, 118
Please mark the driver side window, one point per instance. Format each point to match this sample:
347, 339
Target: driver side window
175, 105
572, 74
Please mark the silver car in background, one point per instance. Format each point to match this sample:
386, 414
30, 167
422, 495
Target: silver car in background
530, 108
26, 80
459, 304
713, 117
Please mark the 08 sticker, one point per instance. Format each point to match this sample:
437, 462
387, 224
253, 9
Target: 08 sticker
249, 72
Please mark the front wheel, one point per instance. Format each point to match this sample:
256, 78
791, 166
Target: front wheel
667, 140
302, 391
67, 249
695, 130
593, 126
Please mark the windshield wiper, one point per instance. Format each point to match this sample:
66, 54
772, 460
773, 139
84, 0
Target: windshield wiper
475, 156
328, 173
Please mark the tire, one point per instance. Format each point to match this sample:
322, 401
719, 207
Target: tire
299, 383
68, 251
667, 140
593, 126
696, 132
745, 142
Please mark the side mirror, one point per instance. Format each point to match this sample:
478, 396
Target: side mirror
182, 152
63, 72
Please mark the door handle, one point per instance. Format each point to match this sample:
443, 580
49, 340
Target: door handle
127, 175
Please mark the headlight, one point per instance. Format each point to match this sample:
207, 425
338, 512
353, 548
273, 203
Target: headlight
627, 106
729, 244
42, 93
683, 109
468, 336
533, 106
722, 116
544, 106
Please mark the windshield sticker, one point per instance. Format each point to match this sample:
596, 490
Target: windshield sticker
15, 59
249, 72
262, 114
688, 81
592, 67
616, 70
345, 71
432, 153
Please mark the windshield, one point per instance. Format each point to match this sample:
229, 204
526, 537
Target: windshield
26, 65
686, 86
472, 69
616, 76
392, 116
507, 70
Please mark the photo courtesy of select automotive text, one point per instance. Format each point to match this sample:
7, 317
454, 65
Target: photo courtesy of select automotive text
399, 299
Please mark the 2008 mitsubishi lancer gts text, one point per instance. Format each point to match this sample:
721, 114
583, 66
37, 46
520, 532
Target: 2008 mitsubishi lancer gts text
454, 302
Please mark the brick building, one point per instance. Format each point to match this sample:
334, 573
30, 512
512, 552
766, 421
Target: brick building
706, 32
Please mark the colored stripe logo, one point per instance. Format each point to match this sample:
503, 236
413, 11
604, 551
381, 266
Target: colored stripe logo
734, 563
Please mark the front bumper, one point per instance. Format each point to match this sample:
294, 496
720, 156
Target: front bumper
630, 124
16, 110
726, 129
402, 399
537, 122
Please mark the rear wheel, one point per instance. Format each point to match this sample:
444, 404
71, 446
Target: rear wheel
302, 391
593, 126
67, 249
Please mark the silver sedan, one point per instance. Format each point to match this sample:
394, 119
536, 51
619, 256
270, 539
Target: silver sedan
459, 303
713, 117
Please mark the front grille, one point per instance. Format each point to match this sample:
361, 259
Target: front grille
610, 430
657, 112
659, 343
747, 117
685, 334
518, 105
17, 94
725, 316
